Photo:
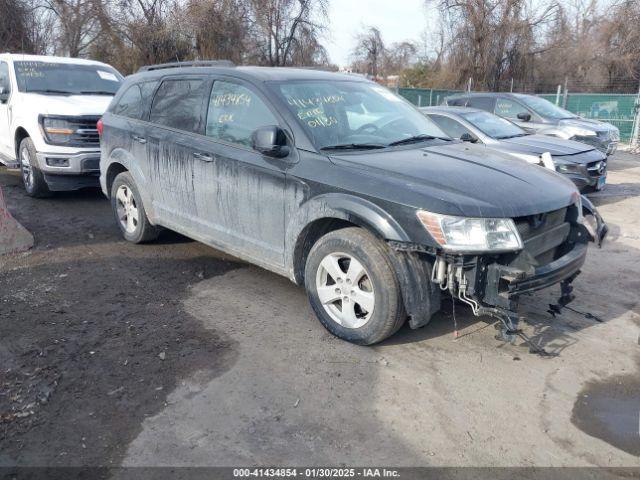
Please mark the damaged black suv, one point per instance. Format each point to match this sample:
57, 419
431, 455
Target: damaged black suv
342, 186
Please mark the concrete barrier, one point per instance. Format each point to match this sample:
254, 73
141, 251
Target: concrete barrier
14, 237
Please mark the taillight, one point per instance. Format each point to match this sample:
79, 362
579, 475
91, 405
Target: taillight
99, 127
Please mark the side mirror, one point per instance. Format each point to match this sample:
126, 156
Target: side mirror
467, 137
524, 116
4, 94
270, 141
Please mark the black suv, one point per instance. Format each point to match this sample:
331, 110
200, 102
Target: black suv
342, 186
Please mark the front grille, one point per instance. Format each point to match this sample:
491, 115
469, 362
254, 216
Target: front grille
86, 131
542, 234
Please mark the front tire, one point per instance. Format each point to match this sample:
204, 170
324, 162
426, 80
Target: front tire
129, 211
353, 288
32, 178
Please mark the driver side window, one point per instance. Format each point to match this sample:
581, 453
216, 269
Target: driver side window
235, 112
5, 84
509, 109
450, 126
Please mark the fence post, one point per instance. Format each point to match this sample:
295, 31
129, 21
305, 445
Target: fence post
511, 90
558, 94
419, 100
430, 97
564, 99
469, 85
635, 129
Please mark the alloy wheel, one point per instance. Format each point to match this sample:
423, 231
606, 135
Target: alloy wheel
345, 290
126, 209
27, 172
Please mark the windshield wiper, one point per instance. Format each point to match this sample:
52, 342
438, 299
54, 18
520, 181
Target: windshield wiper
513, 136
416, 139
96, 92
51, 91
354, 146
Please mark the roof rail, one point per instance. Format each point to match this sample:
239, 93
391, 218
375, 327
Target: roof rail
195, 63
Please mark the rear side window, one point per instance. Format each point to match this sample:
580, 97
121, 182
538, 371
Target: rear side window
134, 102
178, 104
235, 112
508, 108
483, 103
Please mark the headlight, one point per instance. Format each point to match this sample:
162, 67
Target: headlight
57, 130
567, 167
466, 234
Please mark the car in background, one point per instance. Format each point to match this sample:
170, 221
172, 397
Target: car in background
537, 115
49, 109
583, 164
342, 186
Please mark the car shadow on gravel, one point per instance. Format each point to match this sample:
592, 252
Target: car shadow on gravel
89, 349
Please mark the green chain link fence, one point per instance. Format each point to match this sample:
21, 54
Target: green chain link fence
617, 109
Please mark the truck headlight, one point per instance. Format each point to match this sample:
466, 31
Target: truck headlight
467, 234
57, 130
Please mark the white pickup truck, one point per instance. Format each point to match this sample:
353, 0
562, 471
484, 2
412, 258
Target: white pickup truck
49, 109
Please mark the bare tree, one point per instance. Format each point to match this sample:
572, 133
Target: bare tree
283, 29
79, 24
220, 28
24, 27
369, 53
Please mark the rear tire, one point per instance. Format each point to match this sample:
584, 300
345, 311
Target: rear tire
129, 211
32, 178
353, 288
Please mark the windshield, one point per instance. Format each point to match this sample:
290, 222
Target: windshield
355, 114
66, 78
545, 108
492, 125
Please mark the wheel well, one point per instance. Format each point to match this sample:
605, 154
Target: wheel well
112, 172
307, 239
21, 134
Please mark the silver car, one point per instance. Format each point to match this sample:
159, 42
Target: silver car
583, 164
537, 115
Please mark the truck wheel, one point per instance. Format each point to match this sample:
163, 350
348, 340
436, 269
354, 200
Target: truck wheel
129, 211
353, 288
32, 177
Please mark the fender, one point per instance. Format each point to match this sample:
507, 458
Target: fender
353, 209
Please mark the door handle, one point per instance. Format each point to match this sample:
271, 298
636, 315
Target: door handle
141, 140
202, 156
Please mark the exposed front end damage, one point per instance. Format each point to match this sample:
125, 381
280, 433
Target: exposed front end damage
555, 248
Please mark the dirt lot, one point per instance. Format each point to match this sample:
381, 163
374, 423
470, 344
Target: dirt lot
174, 354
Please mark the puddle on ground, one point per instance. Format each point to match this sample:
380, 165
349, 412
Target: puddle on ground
610, 410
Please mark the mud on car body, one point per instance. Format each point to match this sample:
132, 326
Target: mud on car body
340, 185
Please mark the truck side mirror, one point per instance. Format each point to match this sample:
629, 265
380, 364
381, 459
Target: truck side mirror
467, 137
4, 94
524, 116
270, 141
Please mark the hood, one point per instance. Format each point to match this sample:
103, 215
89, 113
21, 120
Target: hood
462, 179
71, 105
538, 144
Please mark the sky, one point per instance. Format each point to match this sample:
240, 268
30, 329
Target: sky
398, 20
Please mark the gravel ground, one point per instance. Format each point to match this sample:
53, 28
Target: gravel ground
175, 354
